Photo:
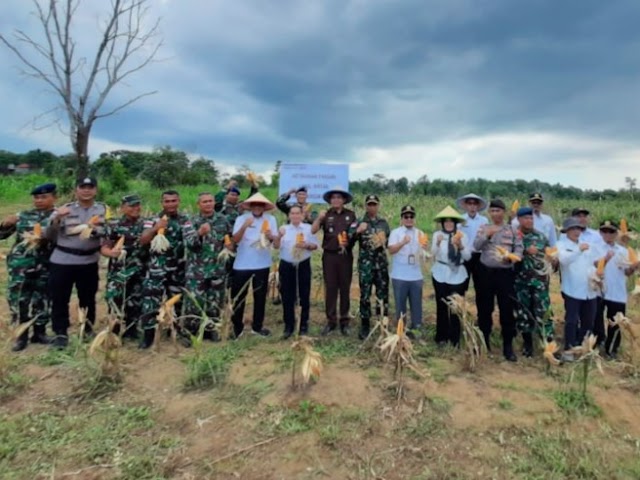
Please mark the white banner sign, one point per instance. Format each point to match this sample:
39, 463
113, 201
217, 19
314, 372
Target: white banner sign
317, 177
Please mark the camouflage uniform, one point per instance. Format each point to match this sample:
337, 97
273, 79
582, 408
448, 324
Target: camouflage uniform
373, 269
205, 275
125, 277
27, 294
284, 207
166, 271
532, 288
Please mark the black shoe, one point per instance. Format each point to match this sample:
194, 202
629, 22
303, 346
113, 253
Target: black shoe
327, 330
364, 332
507, 351
527, 342
263, 332
287, 335
21, 342
345, 330
60, 342
40, 335
147, 338
487, 341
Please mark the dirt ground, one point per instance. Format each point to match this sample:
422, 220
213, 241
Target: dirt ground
502, 421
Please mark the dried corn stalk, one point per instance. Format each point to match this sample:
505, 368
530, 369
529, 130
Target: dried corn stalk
105, 349
629, 336
82, 321
166, 320
160, 243
311, 364
474, 344
120, 246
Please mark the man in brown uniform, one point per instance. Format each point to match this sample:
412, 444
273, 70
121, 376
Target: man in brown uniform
497, 275
337, 256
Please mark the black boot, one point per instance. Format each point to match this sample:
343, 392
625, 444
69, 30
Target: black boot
365, 329
148, 336
21, 342
487, 340
40, 335
527, 345
507, 351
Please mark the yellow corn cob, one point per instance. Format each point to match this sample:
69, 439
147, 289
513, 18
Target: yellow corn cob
550, 251
515, 206
162, 230
94, 219
633, 256
400, 328
108, 214
457, 235
265, 226
343, 240
119, 244
173, 300
37, 230
423, 238
600, 268
512, 257
624, 228
502, 251
300, 238
227, 241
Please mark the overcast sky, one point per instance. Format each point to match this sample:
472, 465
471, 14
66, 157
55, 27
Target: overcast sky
500, 89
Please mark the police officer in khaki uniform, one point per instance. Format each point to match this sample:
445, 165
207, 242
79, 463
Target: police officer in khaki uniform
76, 228
337, 257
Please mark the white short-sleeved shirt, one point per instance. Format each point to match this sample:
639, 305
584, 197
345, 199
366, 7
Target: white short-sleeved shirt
443, 270
405, 264
576, 268
249, 257
288, 242
615, 281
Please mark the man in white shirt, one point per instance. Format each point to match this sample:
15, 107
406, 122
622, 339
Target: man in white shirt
589, 235
541, 221
614, 296
472, 205
254, 232
577, 266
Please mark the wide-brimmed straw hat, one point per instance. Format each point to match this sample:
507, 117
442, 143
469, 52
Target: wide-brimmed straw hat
338, 189
258, 198
471, 196
449, 212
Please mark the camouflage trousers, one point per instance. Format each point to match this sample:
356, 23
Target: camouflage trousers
28, 297
369, 277
209, 295
155, 288
124, 294
532, 312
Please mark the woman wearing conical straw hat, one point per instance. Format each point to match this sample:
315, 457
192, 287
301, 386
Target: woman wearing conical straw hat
450, 249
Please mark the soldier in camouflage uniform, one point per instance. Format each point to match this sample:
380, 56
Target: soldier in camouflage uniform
372, 234
205, 274
532, 284
301, 201
127, 272
165, 275
29, 267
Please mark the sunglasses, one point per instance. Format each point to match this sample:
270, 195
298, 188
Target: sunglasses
409, 215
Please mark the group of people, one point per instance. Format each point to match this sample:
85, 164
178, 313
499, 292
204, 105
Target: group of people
227, 247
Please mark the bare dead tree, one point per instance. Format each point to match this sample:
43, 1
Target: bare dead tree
128, 43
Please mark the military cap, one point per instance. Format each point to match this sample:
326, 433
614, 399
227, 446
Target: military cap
497, 203
44, 188
609, 225
131, 200
233, 190
578, 211
536, 196
522, 211
407, 209
84, 181
371, 199
301, 189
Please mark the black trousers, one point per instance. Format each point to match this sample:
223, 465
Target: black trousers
447, 323
62, 279
295, 283
259, 285
496, 283
337, 269
579, 319
606, 311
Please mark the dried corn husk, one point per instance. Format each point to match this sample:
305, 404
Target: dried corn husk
120, 246
160, 244
503, 254
550, 348
227, 252
378, 240
32, 239
252, 178
311, 365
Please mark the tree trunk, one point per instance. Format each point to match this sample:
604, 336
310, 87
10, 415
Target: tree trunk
81, 148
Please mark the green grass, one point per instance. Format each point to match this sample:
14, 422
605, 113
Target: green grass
572, 401
124, 437
210, 367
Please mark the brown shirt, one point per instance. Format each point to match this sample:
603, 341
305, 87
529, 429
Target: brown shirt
332, 224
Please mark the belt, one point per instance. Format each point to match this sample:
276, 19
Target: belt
78, 251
